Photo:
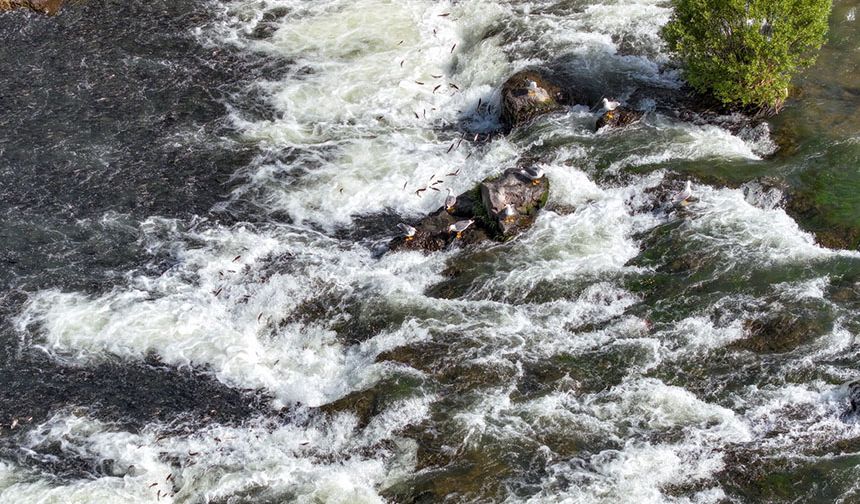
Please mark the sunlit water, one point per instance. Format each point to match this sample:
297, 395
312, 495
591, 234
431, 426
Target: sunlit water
602, 356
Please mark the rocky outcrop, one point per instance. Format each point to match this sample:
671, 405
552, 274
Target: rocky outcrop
528, 94
618, 118
485, 205
784, 331
44, 6
515, 191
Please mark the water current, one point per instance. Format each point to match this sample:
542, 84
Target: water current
196, 303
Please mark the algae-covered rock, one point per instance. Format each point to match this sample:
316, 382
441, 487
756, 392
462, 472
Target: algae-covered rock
618, 118
528, 94
782, 332
44, 6
517, 195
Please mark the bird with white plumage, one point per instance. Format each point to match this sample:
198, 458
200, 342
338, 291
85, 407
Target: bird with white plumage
460, 226
450, 201
682, 198
407, 230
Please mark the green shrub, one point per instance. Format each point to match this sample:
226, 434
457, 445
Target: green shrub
744, 52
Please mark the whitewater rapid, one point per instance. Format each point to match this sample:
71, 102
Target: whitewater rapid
372, 95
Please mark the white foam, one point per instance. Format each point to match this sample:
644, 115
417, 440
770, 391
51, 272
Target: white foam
310, 460
726, 225
688, 142
237, 333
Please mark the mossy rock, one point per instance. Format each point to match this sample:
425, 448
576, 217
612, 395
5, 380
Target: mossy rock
529, 94
513, 188
782, 332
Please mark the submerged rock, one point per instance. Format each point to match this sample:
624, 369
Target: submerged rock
781, 332
44, 6
500, 207
618, 118
526, 95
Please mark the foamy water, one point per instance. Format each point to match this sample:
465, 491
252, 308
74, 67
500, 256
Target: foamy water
374, 96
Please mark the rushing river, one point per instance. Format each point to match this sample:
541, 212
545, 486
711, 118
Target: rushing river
196, 306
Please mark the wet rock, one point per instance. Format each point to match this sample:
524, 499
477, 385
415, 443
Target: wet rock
618, 118
780, 332
484, 205
516, 190
49, 7
364, 404
432, 231
528, 94
812, 216
853, 397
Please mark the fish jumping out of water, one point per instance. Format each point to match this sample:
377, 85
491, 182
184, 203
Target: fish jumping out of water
450, 201
460, 226
535, 174
407, 230
682, 198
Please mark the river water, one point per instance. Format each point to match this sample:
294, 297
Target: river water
195, 199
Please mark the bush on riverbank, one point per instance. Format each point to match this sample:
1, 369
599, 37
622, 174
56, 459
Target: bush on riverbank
745, 52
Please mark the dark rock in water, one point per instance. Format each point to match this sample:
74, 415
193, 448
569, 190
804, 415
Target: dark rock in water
814, 217
854, 396
618, 118
781, 332
432, 231
484, 205
44, 6
523, 195
364, 404
528, 94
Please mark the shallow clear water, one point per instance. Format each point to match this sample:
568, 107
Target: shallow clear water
196, 306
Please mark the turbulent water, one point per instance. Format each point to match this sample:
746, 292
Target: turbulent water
197, 307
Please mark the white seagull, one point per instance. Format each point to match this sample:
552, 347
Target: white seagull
408, 231
460, 226
533, 173
537, 91
610, 105
682, 198
450, 201
508, 213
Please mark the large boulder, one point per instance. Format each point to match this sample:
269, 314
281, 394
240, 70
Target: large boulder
44, 6
484, 204
528, 94
515, 189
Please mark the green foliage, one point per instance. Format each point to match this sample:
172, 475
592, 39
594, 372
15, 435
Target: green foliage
744, 52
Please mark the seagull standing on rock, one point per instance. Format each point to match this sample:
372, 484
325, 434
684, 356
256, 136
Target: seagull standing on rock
610, 105
408, 231
533, 173
508, 213
450, 201
460, 226
537, 92
682, 198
